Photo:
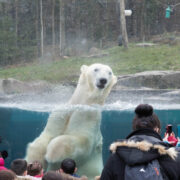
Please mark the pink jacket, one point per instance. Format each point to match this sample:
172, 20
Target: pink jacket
2, 164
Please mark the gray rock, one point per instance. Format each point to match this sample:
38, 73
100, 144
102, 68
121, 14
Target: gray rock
12, 86
150, 79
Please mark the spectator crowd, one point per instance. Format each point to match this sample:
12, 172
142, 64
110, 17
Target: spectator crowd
21, 170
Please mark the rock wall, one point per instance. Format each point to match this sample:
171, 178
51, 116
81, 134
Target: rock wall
13, 86
150, 79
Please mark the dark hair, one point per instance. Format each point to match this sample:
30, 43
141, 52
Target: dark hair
52, 175
34, 168
145, 118
7, 175
68, 166
19, 166
4, 154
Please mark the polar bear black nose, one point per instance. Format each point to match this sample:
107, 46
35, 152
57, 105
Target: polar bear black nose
103, 81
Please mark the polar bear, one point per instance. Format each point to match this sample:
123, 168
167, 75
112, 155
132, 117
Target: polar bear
74, 131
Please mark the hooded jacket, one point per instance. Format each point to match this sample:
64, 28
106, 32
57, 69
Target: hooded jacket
140, 147
2, 164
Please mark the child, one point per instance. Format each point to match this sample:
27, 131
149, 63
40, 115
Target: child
7, 175
2, 164
35, 169
19, 167
51, 175
68, 166
68, 170
169, 136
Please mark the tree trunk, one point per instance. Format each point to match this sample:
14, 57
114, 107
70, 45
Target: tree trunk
134, 20
62, 28
42, 28
37, 28
78, 28
123, 23
142, 27
53, 28
16, 20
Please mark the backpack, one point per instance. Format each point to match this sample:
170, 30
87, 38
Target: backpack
148, 171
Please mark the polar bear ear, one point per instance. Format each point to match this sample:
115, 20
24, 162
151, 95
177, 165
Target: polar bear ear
84, 68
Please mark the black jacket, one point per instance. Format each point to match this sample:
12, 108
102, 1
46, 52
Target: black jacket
141, 146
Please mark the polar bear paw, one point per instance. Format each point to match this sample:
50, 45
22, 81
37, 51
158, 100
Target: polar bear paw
66, 146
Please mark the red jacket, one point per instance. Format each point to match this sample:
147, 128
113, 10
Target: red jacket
2, 164
172, 140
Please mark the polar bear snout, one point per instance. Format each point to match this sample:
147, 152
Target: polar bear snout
101, 83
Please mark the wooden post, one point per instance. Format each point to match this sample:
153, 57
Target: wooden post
123, 23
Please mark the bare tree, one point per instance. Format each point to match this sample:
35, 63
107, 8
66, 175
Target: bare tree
123, 23
53, 27
42, 28
62, 28
143, 14
134, 19
37, 27
16, 19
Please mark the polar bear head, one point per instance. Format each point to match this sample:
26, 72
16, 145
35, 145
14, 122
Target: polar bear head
98, 76
95, 83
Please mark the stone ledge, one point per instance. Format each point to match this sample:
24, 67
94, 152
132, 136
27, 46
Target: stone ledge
150, 79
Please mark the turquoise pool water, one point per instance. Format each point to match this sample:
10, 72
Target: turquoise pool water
19, 127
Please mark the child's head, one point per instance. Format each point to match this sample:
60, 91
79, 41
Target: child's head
52, 175
34, 168
7, 175
68, 166
19, 166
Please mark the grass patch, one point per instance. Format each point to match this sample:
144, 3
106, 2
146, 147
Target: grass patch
135, 59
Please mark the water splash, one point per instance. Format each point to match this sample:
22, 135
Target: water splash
118, 100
